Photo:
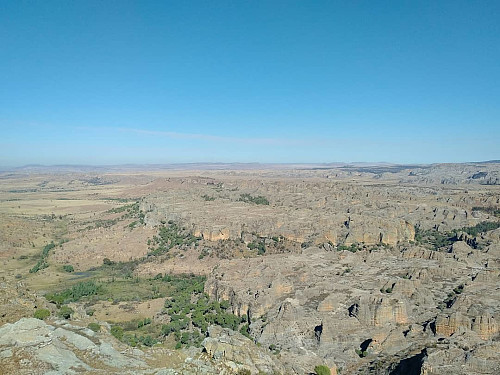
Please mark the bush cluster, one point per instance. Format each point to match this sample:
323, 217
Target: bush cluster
247, 198
191, 312
352, 248
437, 240
259, 245
65, 312
41, 314
68, 268
94, 327
42, 263
73, 294
490, 210
170, 235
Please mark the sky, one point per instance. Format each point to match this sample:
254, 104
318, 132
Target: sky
115, 82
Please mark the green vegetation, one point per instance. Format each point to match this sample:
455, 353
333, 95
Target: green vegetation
451, 298
129, 208
118, 269
132, 339
117, 332
107, 262
75, 293
438, 240
144, 322
120, 200
352, 248
116, 283
459, 289
190, 307
484, 226
190, 312
65, 312
131, 211
432, 238
94, 327
322, 370
247, 198
41, 314
208, 198
68, 268
203, 253
490, 210
306, 244
108, 223
42, 263
169, 236
361, 353
259, 245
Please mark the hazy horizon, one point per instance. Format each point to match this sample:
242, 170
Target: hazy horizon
236, 165
111, 83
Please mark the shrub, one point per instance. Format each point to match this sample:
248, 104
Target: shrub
361, 353
42, 263
459, 289
247, 198
171, 236
107, 262
65, 312
322, 370
260, 246
94, 327
117, 332
74, 294
41, 314
148, 340
68, 268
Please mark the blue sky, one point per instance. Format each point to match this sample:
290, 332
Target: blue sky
110, 82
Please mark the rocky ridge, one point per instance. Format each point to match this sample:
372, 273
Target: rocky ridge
32, 346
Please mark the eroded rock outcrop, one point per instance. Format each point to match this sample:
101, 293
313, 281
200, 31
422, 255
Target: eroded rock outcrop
238, 352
